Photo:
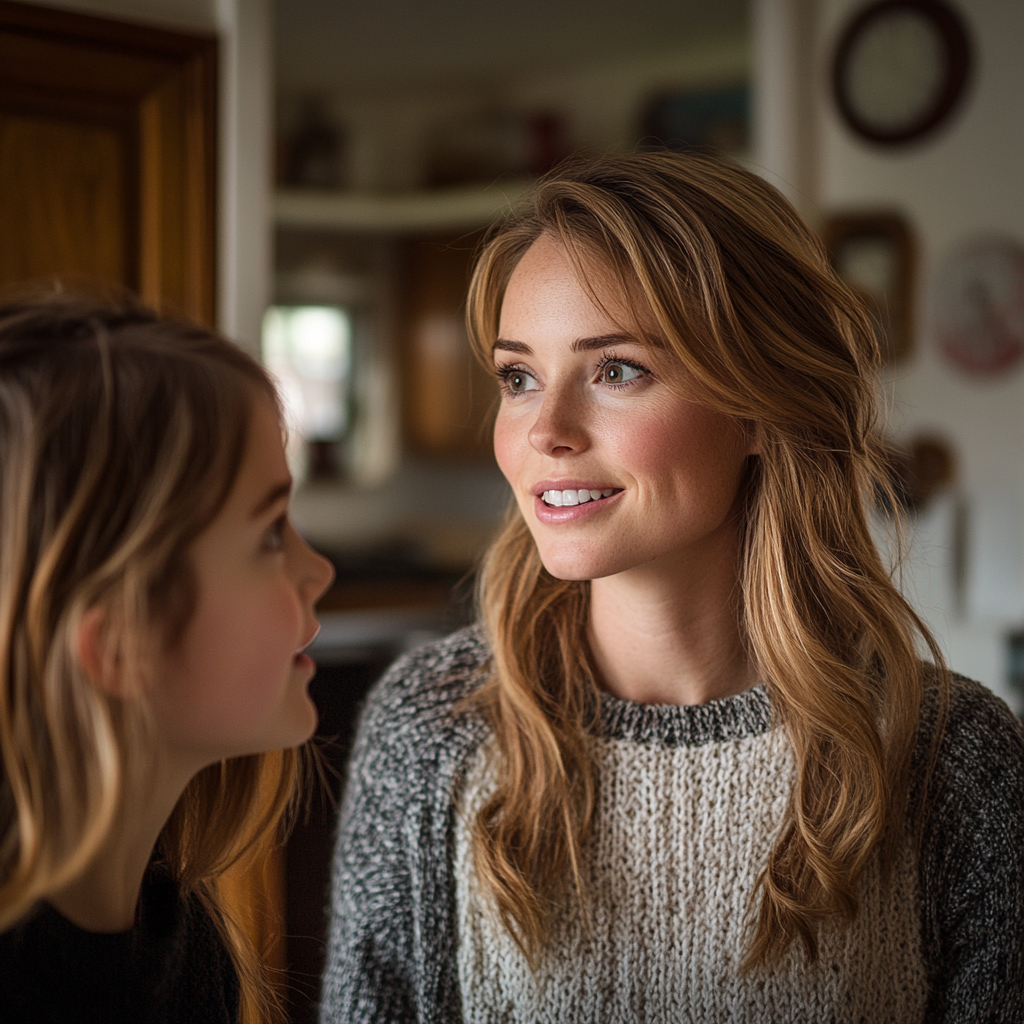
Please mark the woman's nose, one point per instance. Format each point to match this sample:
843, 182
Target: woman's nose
560, 427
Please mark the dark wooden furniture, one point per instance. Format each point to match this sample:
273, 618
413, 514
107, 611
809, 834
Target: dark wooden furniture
338, 691
448, 397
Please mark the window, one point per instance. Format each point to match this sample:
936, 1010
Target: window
309, 350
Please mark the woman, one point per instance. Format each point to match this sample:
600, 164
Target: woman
689, 766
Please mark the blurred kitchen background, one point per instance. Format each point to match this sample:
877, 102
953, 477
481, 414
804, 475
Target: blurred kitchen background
338, 163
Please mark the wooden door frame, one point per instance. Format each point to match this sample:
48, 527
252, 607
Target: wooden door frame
166, 103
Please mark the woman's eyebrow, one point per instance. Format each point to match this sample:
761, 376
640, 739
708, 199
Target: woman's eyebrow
602, 341
504, 345
272, 497
579, 345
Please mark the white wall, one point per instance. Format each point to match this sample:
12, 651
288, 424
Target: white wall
245, 256
966, 179
246, 86
784, 111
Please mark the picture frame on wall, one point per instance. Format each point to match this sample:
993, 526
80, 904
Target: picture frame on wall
713, 120
876, 255
900, 70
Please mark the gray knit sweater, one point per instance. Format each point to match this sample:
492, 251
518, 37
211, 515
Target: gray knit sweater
690, 798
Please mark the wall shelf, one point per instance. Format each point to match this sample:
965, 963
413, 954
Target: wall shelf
462, 208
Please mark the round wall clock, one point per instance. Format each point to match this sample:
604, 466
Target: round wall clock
900, 68
980, 311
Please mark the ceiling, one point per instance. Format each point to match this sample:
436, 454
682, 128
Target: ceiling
372, 45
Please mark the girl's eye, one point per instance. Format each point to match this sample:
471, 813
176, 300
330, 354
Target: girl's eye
273, 540
516, 381
616, 371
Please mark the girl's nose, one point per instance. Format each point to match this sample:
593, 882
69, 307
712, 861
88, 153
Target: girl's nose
319, 575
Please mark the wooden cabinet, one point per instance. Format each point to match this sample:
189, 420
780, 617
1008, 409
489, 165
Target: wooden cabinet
107, 157
449, 398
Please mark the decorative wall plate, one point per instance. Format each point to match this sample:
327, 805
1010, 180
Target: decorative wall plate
900, 68
979, 315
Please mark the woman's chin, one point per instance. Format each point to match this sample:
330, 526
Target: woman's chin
564, 567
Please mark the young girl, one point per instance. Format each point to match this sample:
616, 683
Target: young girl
154, 605
689, 766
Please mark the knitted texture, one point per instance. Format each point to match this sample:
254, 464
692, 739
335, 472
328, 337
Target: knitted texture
689, 802
679, 836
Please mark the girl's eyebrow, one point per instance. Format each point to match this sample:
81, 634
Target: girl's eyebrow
272, 497
579, 345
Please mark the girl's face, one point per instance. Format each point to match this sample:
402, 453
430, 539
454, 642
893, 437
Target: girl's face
612, 468
237, 682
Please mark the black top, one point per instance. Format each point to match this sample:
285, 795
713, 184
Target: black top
171, 968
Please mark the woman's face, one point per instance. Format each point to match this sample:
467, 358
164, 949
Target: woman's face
612, 468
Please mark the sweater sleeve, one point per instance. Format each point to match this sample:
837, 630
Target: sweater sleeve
972, 864
390, 940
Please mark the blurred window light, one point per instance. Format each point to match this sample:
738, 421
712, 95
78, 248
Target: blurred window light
309, 350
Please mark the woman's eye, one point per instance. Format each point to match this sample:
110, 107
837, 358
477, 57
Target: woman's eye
516, 381
619, 373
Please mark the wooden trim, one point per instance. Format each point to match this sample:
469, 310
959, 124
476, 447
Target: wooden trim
178, 186
70, 26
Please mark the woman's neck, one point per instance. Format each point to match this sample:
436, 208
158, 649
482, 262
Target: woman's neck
669, 632
104, 897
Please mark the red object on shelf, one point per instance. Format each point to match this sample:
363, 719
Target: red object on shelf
547, 142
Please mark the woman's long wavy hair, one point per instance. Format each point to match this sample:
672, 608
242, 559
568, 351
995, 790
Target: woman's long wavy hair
722, 273
121, 435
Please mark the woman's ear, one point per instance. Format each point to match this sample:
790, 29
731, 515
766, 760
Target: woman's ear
100, 668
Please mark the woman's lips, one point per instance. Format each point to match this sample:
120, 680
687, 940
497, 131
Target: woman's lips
546, 513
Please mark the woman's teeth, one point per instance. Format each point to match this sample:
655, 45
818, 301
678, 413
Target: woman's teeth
575, 497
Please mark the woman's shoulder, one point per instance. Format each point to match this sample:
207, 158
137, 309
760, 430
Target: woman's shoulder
971, 854
979, 727
979, 762
427, 686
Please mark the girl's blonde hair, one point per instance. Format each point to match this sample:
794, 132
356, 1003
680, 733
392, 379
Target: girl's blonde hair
121, 434
726, 278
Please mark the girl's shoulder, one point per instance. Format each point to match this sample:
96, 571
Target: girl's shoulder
171, 966
427, 689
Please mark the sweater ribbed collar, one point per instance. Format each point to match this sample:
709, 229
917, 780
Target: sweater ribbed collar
738, 717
